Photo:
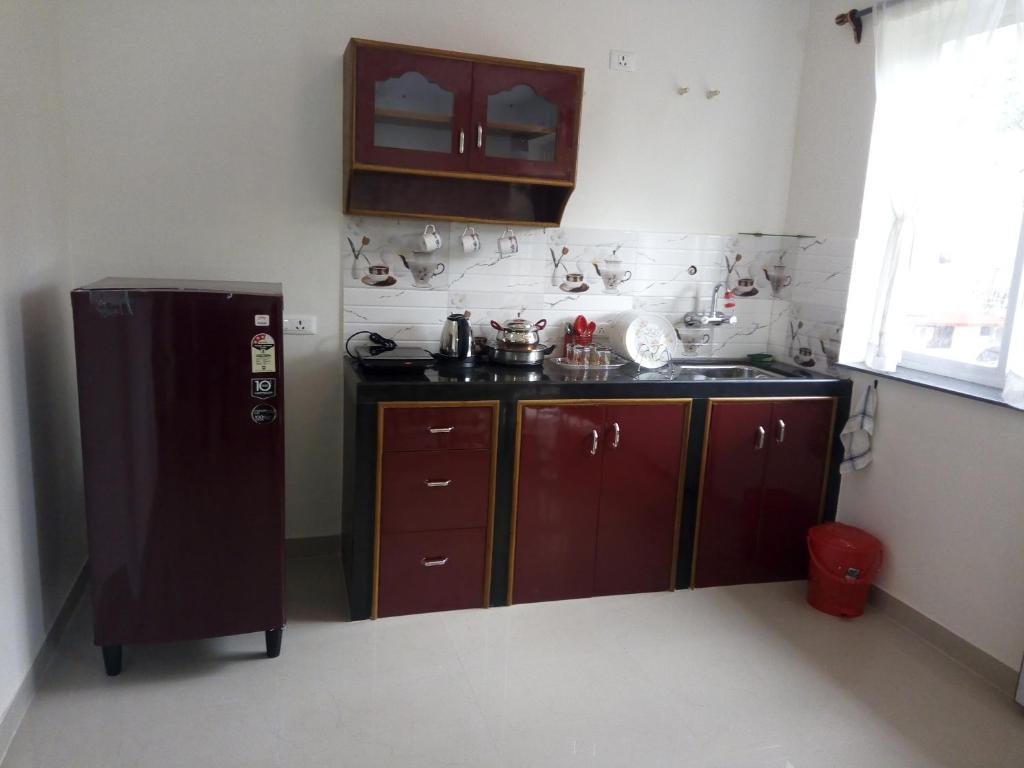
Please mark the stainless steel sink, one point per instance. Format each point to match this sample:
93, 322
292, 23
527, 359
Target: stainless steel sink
746, 372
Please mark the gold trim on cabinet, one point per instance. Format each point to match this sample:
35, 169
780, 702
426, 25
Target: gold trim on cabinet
447, 217
680, 492
704, 461
513, 524
534, 181
495, 406
483, 58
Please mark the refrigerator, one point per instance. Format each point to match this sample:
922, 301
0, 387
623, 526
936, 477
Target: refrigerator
181, 400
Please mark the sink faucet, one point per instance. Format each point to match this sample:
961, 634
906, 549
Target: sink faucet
714, 317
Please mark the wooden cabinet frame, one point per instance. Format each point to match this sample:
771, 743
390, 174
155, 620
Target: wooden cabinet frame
680, 485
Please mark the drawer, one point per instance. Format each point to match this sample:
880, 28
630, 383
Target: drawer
429, 429
431, 571
435, 490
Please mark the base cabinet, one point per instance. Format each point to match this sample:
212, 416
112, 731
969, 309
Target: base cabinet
762, 487
597, 498
435, 472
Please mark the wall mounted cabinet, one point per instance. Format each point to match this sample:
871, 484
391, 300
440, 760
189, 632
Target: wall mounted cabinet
439, 134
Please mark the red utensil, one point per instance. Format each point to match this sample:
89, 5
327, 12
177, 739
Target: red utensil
580, 326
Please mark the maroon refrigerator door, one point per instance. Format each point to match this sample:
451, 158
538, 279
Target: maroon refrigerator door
181, 400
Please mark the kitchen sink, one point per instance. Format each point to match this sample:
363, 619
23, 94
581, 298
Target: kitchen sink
730, 372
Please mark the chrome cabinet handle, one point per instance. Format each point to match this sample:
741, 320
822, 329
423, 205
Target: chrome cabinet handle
616, 434
441, 430
479, 135
782, 431
462, 142
431, 562
437, 483
760, 439
593, 445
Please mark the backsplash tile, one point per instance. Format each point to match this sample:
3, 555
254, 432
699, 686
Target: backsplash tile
788, 286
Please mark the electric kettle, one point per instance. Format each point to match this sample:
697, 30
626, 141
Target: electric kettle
456, 340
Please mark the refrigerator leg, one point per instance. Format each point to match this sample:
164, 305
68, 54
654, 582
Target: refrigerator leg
274, 643
112, 659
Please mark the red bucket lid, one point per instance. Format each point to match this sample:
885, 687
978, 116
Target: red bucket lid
843, 536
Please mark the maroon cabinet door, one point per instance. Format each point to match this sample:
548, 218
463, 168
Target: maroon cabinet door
639, 497
431, 571
433, 428
435, 490
736, 445
412, 110
794, 480
559, 486
524, 121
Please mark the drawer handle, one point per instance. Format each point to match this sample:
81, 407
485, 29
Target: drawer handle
441, 430
594, 437
430, 562
437, 483
782, 431
616, 435
760, 439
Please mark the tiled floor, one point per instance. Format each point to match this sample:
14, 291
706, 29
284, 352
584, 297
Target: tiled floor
739, 677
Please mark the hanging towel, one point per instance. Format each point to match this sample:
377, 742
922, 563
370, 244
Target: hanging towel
857, 434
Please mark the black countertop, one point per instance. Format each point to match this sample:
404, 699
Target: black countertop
498, 382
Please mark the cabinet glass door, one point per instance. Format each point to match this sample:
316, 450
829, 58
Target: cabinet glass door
411, 110
524, 121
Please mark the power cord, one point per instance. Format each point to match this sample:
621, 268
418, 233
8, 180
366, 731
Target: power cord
380, 343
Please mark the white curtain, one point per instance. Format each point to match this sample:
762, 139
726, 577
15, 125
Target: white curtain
1013, 391
927, 139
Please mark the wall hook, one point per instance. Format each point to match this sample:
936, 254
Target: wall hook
711, 94
682, 90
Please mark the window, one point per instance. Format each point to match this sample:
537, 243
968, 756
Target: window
965, 266
937, 272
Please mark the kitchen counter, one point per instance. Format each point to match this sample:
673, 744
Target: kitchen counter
501, 382
505, 389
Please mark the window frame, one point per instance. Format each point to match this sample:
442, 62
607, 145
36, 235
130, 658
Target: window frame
979, 374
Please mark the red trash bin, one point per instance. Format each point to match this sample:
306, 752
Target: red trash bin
844, 562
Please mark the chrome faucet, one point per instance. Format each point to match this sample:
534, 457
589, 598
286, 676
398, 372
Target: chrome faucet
714, 317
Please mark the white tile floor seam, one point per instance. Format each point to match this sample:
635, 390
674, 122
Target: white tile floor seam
736, 677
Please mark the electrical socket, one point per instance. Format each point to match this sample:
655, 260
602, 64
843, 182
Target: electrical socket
300, 325
622, 61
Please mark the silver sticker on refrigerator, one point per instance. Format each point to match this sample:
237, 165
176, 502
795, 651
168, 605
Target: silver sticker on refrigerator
264, 414
262, 389
264, 355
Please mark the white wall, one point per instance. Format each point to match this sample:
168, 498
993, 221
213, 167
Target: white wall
945, 490
42, 539
204, 141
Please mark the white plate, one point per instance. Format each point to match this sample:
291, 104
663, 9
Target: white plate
643, 337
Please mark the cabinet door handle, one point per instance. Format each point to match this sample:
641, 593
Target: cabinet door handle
437, 483
462, 142
441, 430
760, 439
616, 434
594, 437
782, 431
479, 135
431, 562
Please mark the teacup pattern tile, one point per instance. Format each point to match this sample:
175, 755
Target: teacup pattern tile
560, 273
